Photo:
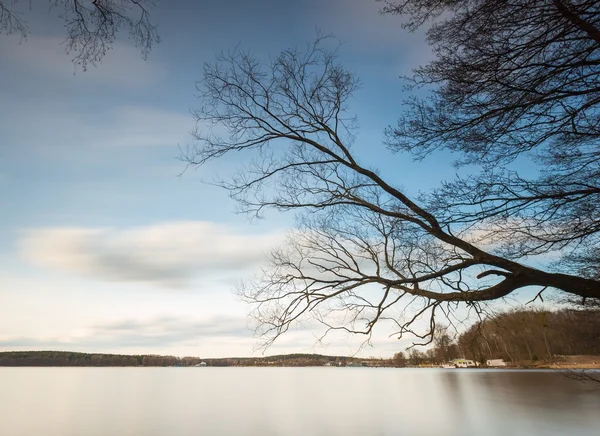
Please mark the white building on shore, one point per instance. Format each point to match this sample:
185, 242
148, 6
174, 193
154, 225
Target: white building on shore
463, 363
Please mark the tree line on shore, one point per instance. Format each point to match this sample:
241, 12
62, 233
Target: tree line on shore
67, 358
522, 336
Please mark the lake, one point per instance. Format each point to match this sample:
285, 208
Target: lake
293, 401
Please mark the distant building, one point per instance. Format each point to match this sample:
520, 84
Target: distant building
201, 364
495, 362
463, 363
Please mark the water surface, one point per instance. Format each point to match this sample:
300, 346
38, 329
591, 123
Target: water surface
293, 401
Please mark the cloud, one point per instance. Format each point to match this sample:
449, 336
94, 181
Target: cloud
143, 126
219, 335
157, 333
373, 32
115, 127
167, 255
171, 329
123, 65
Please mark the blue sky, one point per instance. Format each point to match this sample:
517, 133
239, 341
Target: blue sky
103, 246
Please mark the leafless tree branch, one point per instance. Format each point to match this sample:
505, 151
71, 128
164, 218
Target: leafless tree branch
92, 26
363, 248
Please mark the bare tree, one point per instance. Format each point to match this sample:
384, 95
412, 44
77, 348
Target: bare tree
91, 26
364, 251
10, 20
562, 338
444, 347
399, 359
512, 79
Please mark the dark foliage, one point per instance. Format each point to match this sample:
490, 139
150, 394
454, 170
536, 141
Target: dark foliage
533, 335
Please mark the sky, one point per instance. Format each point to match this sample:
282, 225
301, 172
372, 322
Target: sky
105, 246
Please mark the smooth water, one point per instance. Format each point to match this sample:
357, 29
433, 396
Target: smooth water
293, 401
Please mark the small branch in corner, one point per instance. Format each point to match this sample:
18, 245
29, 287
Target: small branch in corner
538, 295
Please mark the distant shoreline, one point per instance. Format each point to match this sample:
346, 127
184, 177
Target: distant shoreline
68, 358
76, 359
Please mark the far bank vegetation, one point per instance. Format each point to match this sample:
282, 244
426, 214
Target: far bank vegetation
519, 337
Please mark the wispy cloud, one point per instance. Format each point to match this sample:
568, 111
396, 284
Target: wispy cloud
123, 66
115, 127
214, 336
166, 255
169, 329
156, 333
134, 126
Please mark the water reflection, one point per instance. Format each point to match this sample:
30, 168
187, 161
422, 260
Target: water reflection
293, 401
523, 402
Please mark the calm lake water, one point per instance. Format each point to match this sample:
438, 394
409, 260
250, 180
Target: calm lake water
293, 401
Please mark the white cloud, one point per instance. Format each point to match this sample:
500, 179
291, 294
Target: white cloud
168, 255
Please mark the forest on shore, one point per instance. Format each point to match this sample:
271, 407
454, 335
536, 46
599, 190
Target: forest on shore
67, 358
520, 337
